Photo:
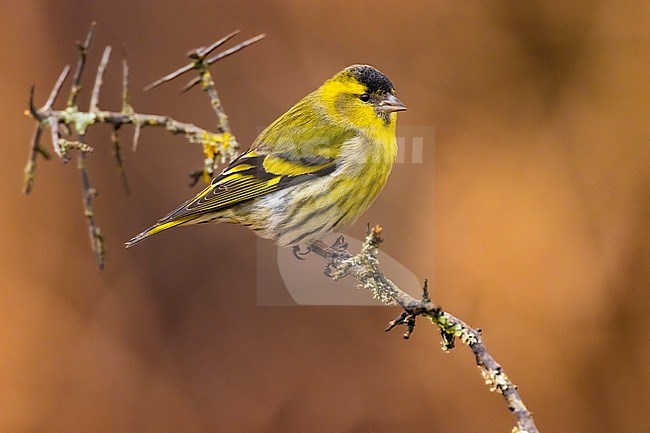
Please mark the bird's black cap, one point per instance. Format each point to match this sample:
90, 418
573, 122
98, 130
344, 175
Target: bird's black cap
375, 81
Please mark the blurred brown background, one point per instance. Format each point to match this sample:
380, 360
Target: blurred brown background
541, 168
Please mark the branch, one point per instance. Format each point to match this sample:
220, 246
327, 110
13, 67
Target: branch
365, 268
83, 53
88, 195
201, 64
68, 126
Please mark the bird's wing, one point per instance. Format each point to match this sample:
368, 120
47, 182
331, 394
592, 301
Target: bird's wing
253, 174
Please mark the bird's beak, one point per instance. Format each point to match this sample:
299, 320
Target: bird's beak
391, 103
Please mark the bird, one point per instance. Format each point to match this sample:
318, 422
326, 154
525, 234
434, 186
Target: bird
313, 171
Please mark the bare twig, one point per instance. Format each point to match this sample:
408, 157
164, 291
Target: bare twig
117, 153
83, 51
57, 88
219, 42
236, 48
136, 135
88, 196
169, 77
223, 55
198, 52
126, 94
36, 149
30, 167
365, 268
126, 108
99, 79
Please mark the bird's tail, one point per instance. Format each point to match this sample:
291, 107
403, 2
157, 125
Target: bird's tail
157, 228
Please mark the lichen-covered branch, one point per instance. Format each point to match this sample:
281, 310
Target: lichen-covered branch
68, 126
365, 268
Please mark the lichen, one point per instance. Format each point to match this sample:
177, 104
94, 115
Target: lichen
80, 119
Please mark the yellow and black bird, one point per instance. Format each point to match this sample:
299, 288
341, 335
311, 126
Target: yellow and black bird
314, 170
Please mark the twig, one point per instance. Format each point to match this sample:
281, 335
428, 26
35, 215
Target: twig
99, 79
218, 147
88, 195
126, 108
136, 135
201, 64
365, 268
117, 153
57, 88
223, 55
198, 52
126, 94
30, 167
83, 51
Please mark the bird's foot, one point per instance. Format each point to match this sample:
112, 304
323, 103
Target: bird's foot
297, 253
341, 244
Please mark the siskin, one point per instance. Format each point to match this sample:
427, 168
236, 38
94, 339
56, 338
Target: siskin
313, 171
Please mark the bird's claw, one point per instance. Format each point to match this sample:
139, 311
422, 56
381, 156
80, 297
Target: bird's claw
299, 254
340, 244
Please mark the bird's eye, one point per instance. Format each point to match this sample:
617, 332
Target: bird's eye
365, 97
